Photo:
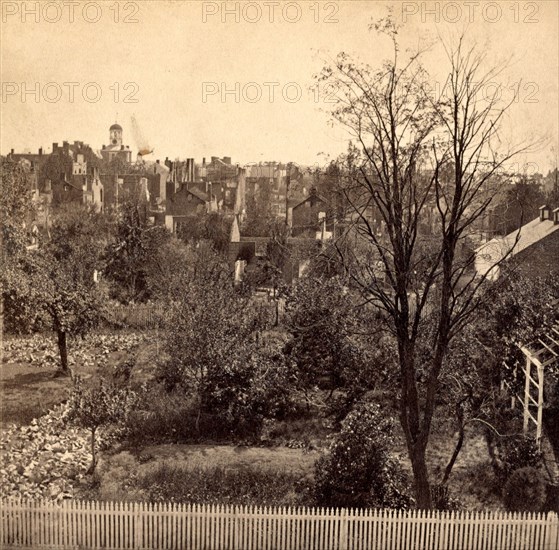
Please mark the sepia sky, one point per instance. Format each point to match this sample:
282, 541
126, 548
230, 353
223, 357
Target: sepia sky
200, 86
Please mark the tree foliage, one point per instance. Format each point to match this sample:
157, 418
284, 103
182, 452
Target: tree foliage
135, 248
330, 336
211, 348
16, 212
55, 283
99, 406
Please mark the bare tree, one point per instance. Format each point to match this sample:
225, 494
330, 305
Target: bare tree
418, 182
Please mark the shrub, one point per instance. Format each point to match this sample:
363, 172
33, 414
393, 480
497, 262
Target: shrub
524, 491
514, 453
358, 470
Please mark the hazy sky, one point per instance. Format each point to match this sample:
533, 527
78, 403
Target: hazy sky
171, 64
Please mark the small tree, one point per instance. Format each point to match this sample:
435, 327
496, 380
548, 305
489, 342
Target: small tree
96, 407
134, 250
210, 332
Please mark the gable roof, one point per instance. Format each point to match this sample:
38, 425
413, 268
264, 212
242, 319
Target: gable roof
198, 194
519, 240
314, 197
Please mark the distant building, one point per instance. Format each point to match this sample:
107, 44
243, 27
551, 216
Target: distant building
185, 205
533, 249
69, 174
312, 217
218, 169
116, 148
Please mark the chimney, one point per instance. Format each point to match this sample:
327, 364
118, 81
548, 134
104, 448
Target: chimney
556, 216
12, 152
545, 213
55, 147
157, 161
40, 151
204, 161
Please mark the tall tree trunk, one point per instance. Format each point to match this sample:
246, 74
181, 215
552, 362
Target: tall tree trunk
63, 350
416, 438
422, 486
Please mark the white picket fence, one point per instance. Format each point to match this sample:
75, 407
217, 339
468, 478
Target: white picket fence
75, 524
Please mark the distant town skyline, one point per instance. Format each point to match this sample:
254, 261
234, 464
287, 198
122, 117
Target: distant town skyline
214, 78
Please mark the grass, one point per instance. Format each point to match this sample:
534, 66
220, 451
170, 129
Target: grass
29, 392
209, 474
30, 381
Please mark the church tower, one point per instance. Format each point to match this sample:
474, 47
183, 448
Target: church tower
115, 135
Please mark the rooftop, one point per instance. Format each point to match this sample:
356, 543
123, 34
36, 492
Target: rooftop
519, 240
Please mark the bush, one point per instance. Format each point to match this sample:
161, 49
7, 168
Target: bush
525, 491
358, 470
515, 453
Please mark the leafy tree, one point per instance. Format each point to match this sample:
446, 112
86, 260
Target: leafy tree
99, 406
56, 166
16, 211
210, 335
259, 217
516, 310
64, 274
329, 333
421, 162
135, 245
57, 279
213, 227
519, 206
162, 272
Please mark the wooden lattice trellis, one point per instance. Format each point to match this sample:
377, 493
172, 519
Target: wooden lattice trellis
540, 354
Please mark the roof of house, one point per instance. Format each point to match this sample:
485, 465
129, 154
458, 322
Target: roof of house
519, 240
312, 196
199, 194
